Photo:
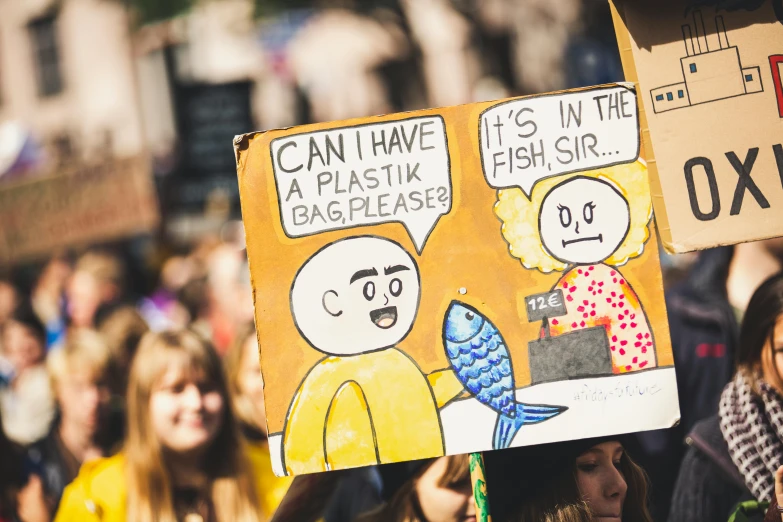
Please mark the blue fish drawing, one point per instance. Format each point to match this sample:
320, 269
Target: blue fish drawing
482, 363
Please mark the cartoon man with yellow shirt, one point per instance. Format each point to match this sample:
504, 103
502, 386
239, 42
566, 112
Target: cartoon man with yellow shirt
366, 402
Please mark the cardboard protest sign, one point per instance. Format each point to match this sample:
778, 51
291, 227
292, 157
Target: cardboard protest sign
709, 75
456, 280
100, 203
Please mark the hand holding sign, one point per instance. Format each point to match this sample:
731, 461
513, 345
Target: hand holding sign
524, 141
364, 175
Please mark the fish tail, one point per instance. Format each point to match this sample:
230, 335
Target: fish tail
532, 414
507, 427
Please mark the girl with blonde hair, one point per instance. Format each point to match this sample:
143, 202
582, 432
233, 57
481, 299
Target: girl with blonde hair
587, 225
184, 458
246, 385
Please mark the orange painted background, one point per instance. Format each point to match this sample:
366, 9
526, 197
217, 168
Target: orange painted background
465, 250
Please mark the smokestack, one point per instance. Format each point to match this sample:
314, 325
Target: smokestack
687, 37
701, 34
723, 36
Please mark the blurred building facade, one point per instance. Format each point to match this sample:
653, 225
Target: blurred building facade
67, 76
87, 80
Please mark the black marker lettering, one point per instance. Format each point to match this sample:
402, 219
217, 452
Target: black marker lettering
294, 188
335, 215
412, 175
374, 180
598, 103
415, 196
324, 178
381, 205
526, 123
711, 181
409, 143
422, 134
778, 150
300, 211
330, 149
355, 205
400, 204
280, 157
563, 151
317, 213
623, 103
381, 143
354, 181
496, 163
745, 182
314, 151
394, 141
443, 195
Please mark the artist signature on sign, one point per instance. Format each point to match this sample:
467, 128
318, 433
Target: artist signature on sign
630, 390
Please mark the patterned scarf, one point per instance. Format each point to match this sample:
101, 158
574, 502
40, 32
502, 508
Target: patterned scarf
752, 426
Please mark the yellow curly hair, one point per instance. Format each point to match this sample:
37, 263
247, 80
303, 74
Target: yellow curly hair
519, 216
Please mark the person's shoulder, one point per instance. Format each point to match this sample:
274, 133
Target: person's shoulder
97, 492
707, 439
44, 450
104, 468
271, 488
101, 478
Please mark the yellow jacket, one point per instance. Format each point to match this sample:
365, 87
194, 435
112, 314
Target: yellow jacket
98, 493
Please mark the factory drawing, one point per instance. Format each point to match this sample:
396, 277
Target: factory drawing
710, 74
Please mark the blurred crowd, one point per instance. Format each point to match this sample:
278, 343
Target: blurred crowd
116, 406
71, 377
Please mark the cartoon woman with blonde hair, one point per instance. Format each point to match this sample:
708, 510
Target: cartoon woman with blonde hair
587, 225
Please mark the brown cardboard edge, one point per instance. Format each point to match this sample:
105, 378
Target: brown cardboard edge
242, 144
631, 75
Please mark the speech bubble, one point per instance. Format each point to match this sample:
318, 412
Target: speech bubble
524, 141
347, 177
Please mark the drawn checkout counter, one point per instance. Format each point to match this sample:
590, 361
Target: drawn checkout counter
573, 355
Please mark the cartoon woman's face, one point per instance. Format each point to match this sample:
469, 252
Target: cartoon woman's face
583, 220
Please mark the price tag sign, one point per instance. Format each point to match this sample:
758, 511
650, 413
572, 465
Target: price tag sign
548, 304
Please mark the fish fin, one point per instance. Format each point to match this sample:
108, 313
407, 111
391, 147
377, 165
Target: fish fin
507, 427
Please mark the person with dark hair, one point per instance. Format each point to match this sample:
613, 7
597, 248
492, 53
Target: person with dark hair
704, 311
430, 490
9, 297
246, 387
122, 331
94, 288
578, 481
86, 427
26, 401
21, 494
439, 491
734, 455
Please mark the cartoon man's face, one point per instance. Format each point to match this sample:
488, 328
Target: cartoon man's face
583, 220
356, 295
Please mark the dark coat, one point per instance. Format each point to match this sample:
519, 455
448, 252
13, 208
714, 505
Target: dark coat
709, 485
704, 334
47, 460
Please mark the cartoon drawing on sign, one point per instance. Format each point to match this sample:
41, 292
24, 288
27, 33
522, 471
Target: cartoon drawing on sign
709, 74
587, 225
480, 358
366, 401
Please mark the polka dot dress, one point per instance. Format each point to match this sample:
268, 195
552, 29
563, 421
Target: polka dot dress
598, 295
